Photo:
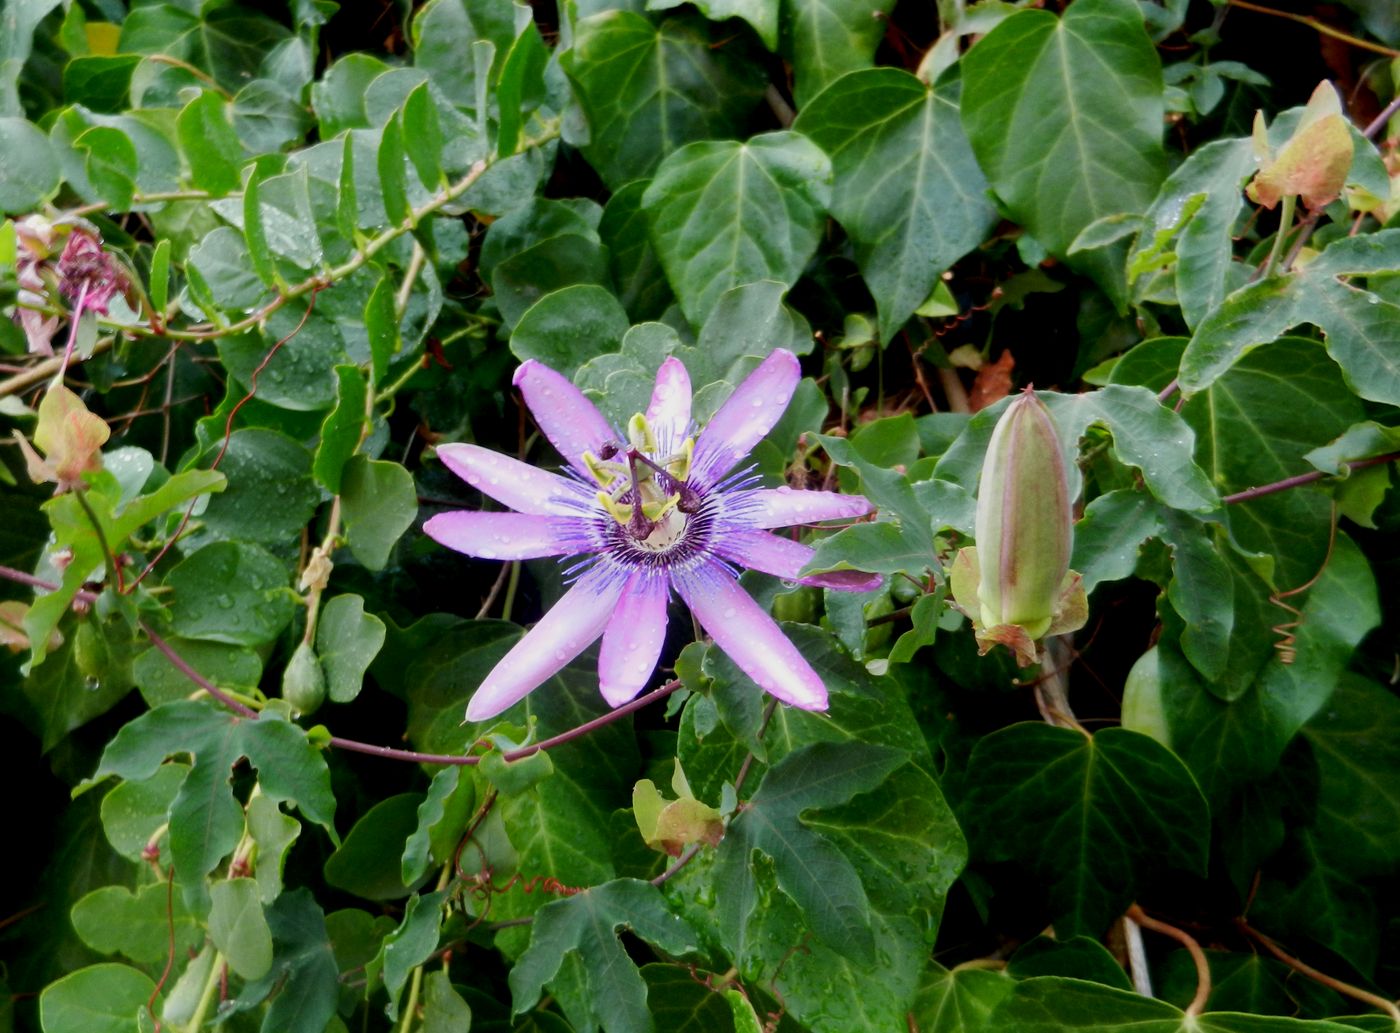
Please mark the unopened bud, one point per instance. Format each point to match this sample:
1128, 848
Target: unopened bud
1016, 584
303, 682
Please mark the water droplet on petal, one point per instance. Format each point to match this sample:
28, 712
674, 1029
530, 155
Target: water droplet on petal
729, 614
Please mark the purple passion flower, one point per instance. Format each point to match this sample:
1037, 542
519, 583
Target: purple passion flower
642, 513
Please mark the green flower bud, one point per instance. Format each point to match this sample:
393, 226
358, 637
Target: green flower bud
303, 682
1024, 527
1016, 584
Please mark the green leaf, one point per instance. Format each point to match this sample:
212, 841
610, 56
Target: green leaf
959, 1000
907, 188
160, 682
1357, 750
29, 171
1188, 227
347, 641
208, 143
238, 928
648, 89
229, 43
1146, 435
829, 38
1092, 817
255, 230
584, 928
1065, 116
521, 88
810, 870
442, 28
636, 269
343, 429
300, 376
724, 214
205, 820
111, 164
99, 82
304, 971
362, 865
231, 592
268, 117
1254, 425
96, 999
112, 919
442, 815
159, 288
444, 1011
227, 271
567, 327
380, 503
1356, 322
393, 173
422, 136
133, 812
339, 95
681, 1004
761, 14
382, 326
1050, 1004
1078, 956
522, 279
1226, 743
273, 833
408, 946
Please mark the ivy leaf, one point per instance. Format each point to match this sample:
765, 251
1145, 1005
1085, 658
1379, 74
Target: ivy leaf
1065, 116
304, 977
1356, 322
828, 38
907, 188
1051, 1004
1255, 425
648, 89
1146, 435
205, 820
1226, 743
1355, 740
810, 870
584, 927
1093, 817
724, 214
958, 1000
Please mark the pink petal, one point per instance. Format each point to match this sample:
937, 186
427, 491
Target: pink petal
750, 637
632, 643
570, 627
784, 507
747, 416
510, 482
505, 536
782, 557
669, 411
572, 423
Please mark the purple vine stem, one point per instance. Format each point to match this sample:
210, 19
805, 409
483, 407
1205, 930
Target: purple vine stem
353, 745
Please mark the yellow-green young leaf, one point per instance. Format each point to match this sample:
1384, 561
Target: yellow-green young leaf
342, 429
70, 436
393, 173
273, 833
159, 288
521, 88
1313, 164
408, 946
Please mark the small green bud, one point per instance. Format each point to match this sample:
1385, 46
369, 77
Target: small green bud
1016, 584
303, 682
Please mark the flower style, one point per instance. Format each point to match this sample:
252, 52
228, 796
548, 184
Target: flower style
656, 509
